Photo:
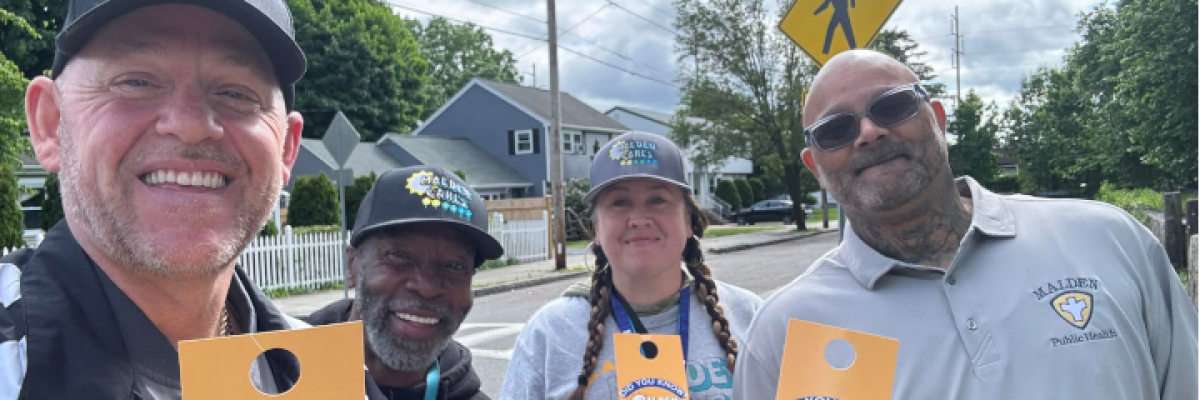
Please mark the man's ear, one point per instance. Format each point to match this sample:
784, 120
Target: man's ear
939, 112
807, 156
291, 143
43, 116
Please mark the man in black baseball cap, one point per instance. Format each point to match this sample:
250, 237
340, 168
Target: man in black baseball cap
168, 123
420, 234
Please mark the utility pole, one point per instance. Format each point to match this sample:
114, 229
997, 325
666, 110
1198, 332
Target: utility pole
534, 75
556, 163
958, 52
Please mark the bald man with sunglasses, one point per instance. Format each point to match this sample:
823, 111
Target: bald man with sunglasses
990, 297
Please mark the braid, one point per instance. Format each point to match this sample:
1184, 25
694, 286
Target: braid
706, 287
596, 333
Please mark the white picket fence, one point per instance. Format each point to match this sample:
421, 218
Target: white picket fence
5, 250
523, 240
309, 261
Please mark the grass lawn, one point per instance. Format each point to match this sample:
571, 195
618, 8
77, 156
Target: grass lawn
833, 214
577, 243
723, 231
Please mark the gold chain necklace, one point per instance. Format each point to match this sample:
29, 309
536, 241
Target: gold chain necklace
223, 329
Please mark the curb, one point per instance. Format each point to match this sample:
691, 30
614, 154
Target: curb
521, 284
746, 246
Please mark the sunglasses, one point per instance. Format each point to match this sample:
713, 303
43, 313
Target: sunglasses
891, 108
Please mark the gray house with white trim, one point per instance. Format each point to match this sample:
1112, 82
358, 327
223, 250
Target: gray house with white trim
484, 173
509, 123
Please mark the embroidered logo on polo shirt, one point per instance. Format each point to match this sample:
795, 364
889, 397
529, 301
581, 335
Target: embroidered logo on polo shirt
1074, 307
1073, 300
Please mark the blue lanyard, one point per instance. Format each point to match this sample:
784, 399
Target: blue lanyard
627, 323
432, 379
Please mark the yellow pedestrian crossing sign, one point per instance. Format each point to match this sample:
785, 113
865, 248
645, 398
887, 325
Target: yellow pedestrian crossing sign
823, 28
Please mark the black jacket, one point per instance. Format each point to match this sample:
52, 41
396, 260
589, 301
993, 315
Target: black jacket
68, 316
459, 381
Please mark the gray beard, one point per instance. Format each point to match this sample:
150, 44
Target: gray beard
112, 224
858, 194
398, 353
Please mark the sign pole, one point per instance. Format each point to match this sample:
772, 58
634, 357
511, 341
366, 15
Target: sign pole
340, 140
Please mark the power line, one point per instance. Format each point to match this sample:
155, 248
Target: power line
643, 18
988, 32
660, 11
572, 51
513, 13
1035, 28
568, 30
597, 45
401, 6
569, 50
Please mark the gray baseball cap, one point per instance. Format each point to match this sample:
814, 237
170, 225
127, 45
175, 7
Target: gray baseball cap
636, 155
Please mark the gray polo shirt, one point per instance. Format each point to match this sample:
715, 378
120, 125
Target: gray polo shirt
1046, 299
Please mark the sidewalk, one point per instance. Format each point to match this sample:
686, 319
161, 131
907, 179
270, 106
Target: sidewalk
535, 273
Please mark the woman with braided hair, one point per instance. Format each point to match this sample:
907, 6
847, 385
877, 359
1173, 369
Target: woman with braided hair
649, 277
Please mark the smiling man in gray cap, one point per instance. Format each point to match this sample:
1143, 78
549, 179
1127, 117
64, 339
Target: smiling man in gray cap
419, 237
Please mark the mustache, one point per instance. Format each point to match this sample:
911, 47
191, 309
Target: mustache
443, 311
883, 150
196, 152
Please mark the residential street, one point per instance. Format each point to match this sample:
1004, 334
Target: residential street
492, 326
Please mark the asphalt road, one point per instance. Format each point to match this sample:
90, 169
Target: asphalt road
492, 327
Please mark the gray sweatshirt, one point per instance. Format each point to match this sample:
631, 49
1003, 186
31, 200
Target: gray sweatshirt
548, 355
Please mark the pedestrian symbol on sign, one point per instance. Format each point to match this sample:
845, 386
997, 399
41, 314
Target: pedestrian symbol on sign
841, 16
824, 28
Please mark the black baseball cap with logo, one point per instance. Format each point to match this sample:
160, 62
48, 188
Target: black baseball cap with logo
269, 21
426, 193
637, 155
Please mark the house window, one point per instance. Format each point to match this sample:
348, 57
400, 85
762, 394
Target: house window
572, 142
524, 140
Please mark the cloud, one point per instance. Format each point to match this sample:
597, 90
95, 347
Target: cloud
1004, 40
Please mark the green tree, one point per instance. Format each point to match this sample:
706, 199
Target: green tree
52, 210
745, 192
355, 195
12, 123
456, 54
578, 224
757, 188
314, 202
12, 220
1120, 109
901, 46
269, 230
27, 32
461, 175
12, 115
1155, 43
363, 61
727, 190
973, 154
746, 80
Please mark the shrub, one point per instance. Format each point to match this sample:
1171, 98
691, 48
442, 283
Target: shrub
745, 193
728, 192
314, 202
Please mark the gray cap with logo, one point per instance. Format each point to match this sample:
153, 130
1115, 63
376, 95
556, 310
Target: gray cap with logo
637, 155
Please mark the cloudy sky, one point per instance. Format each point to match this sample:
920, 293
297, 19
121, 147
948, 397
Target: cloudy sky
1004, 40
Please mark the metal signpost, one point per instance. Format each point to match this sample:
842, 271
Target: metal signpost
340, 140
